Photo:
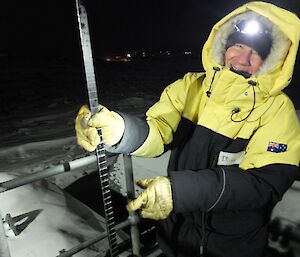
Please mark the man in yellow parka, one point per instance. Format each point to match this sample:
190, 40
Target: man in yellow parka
233, 133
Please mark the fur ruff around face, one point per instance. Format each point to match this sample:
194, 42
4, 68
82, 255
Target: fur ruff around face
279, 48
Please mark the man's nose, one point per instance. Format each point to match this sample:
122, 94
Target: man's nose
245, 57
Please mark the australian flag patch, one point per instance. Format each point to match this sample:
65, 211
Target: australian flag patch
276, 147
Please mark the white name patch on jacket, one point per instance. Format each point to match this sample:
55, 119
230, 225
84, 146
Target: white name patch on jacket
226, 159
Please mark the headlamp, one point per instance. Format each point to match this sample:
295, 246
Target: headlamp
251, 27
252, 33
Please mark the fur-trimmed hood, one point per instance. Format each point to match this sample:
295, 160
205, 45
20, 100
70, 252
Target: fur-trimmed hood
285, 31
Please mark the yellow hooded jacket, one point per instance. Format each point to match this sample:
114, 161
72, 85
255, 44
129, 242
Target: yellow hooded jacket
273, 119
235, 143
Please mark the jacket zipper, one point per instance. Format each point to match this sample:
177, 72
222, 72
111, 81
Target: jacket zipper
203, 234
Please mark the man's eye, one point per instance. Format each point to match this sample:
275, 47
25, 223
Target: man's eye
238, 45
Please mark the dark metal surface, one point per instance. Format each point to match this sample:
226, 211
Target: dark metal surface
92, 241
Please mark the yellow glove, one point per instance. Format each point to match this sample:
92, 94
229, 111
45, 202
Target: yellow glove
155, 201
111, 123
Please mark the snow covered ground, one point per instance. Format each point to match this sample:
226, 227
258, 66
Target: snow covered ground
39, 100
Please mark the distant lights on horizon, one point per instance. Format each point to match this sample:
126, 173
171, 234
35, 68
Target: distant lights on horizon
127, 57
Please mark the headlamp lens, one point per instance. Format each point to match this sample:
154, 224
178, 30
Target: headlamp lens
251, 27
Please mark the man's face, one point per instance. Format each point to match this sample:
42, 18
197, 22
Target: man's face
241, 57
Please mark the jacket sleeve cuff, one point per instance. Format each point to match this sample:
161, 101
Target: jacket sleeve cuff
136, 132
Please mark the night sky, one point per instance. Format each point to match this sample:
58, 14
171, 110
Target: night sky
49, 27
46, 28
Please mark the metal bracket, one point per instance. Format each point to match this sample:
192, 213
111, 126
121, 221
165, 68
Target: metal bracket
11, 223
